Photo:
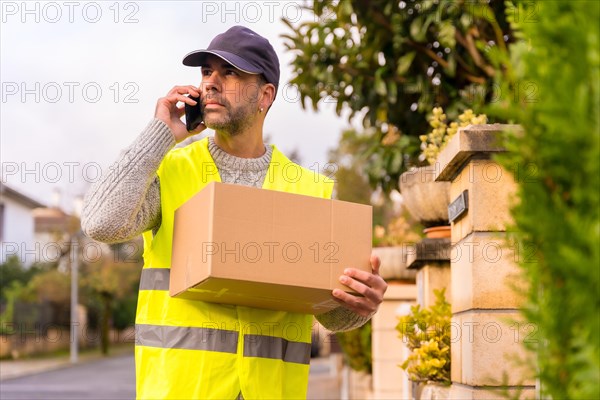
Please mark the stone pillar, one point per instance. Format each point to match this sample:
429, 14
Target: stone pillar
431, 259
487, 330
388, 351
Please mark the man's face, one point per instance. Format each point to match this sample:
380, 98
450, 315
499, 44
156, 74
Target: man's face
230, 96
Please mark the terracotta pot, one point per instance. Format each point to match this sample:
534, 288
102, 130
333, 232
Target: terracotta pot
438, 232
424, 198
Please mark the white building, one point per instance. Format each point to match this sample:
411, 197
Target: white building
53, 231
17, 226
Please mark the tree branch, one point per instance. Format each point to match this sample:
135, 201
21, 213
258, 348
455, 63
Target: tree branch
463, 63
429, 53
469, 44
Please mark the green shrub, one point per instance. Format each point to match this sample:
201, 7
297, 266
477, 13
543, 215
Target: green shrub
356, 346
12, 270
427, 334
556, 166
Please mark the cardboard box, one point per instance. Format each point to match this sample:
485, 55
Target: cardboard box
263, 248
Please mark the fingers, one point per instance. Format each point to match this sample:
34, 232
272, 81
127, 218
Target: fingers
360, 305
173, 99
180, 94
176, 95
183, 90
370, 279
375, 264
370, 286
170, 113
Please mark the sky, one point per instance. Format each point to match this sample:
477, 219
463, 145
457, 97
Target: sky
80, 81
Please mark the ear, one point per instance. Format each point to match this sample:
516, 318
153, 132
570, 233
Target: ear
267, 95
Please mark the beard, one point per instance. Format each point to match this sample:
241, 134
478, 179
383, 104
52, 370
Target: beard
231, 120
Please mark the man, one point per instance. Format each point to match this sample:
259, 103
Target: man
192, 349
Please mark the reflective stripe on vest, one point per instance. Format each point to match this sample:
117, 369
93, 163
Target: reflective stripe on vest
220, 340
193, 338
276, 348
189, 338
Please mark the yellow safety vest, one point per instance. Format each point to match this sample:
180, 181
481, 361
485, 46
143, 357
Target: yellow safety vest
189, 349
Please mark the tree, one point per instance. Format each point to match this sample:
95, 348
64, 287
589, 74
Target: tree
556, 166
15, 279
352, 183
110, 286
393, 61
12, 270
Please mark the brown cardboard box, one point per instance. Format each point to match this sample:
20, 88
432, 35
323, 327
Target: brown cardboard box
262, 248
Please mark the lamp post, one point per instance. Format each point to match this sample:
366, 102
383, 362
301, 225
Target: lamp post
74, 349
74, 343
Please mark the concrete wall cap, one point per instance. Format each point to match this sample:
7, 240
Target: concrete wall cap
469, 142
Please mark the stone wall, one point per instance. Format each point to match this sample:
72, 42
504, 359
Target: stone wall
389, 380
488, 356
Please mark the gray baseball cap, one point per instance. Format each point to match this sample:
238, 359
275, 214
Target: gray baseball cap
243, 48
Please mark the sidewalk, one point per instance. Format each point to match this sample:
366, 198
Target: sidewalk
10, 369
324, 381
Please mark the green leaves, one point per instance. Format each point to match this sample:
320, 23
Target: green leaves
395, 55
405, 62
558, 216
427, 333
447, 34
380, 87
356, 345
418, 29
345, 9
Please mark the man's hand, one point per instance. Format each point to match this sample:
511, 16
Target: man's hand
370, 285
168, 112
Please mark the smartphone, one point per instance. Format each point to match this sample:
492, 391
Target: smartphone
193, 114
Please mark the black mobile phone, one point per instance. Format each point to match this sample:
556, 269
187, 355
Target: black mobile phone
193, 114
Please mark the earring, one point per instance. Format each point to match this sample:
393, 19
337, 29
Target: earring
261, 110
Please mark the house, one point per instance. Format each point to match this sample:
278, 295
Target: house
54, 229
17, 226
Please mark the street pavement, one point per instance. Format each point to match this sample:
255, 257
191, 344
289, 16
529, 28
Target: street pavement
109, 378
113, 378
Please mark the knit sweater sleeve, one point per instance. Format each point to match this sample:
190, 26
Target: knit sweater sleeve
341, 319
125, 202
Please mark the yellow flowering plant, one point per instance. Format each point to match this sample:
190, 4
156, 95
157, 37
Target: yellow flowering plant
442, 131
426, 332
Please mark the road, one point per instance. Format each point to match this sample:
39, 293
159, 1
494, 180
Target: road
114, 379
110, 378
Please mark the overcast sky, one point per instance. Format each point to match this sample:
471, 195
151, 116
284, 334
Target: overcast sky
80, 81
